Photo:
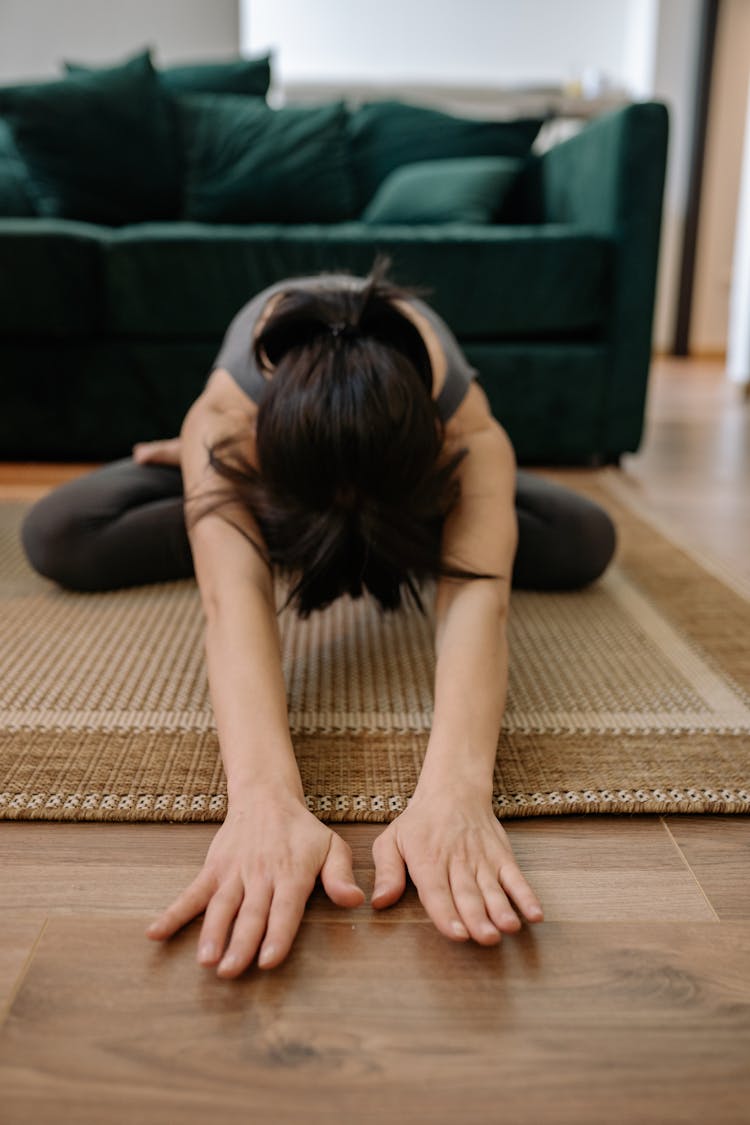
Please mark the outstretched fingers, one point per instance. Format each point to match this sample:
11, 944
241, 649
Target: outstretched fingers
254, 916
220, 914
516, 886
287, 908
192, 901
436, 897
470, 903
466, 903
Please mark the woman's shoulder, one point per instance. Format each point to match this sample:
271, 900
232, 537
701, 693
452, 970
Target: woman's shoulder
472, 416
223, 394
250, 320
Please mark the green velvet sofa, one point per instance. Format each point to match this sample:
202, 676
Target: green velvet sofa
108, 329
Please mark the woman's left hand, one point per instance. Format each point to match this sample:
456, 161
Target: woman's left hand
461, 862
165, 452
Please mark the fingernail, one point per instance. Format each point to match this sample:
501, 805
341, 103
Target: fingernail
207, 952
229, 962
266, 954
489, 930
459, 930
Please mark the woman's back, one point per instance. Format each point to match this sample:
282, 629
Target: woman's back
451, 373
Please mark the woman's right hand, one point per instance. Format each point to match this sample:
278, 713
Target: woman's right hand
164, 452
260, 868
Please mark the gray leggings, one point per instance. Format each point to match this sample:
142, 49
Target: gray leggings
123, 525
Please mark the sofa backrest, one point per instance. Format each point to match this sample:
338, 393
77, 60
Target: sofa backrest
46, 168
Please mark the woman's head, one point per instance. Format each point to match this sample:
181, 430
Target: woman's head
351, 489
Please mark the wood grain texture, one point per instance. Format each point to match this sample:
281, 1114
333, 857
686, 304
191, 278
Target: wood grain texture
603, 868
717, 850
21, 930
694, 463
570, 1022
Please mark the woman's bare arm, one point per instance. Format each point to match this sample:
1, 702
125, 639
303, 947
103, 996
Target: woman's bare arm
471, 675
263, 862
243, 649
458, 854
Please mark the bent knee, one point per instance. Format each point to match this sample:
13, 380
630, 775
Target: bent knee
52, 538
597, 542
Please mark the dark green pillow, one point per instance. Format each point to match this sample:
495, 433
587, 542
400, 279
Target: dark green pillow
238, 76
100, 146
15, 200
464, 190
247, 163
388, 134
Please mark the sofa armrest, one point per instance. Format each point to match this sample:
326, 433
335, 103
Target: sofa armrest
609, 178
609, 174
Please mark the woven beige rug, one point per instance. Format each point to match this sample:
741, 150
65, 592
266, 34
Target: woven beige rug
630, 696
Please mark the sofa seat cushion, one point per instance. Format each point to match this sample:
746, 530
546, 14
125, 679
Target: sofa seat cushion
50, 277
189, 279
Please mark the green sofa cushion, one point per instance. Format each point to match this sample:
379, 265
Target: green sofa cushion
236, 76
467, 190
248, 163
388, 134
250, 77
99, 146
50, 278
14, 177
189, 279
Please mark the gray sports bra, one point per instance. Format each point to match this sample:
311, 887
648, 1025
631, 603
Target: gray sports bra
236, 354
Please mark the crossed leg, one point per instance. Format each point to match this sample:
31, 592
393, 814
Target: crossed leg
123, 525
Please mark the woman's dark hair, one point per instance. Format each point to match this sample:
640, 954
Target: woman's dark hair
351, 490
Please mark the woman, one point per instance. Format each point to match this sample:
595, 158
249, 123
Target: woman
365, 458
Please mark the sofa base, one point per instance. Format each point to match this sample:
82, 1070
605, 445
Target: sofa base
552, 398
81, 401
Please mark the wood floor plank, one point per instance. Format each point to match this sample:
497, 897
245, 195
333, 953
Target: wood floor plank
26, 492
45, 473
717, 850
694, 461
566, 1023
20, 931
590, 868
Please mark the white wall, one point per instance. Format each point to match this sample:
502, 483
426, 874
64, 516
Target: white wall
673, 80
640, 46
35, 35
721, 179
482, 42
738, 345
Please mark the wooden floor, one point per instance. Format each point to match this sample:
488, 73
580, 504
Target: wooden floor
630, 1003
